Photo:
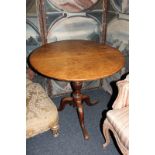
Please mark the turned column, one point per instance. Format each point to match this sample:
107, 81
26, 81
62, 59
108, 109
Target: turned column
77, 98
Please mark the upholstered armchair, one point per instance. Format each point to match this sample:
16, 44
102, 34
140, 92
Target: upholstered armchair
41, 112
117, 119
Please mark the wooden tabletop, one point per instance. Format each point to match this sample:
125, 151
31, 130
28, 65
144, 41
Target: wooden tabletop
76, 60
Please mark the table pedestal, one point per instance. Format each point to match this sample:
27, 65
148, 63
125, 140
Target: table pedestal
76, 100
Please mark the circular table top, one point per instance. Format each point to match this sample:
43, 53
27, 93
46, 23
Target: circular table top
76, 60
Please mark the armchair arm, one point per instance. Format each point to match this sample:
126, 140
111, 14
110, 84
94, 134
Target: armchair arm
122, 99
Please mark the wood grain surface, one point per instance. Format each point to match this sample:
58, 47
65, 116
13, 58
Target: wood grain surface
76, 60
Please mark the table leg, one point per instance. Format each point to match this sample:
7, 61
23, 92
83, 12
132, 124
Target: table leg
77, 98
64, 101
86, 98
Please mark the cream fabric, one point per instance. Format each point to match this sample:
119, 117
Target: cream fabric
119, 119
41, 113
122, 99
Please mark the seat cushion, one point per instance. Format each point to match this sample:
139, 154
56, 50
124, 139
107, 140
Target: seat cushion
119, 119
41, 112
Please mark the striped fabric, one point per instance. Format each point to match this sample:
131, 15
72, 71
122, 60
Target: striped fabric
122, 99
119, 119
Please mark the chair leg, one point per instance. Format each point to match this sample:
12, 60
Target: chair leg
106, 133
55, 129
106, 127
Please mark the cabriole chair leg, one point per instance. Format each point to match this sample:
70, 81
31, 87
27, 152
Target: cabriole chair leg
106, 133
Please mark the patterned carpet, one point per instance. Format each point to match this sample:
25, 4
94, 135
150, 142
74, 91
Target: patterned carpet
70, 140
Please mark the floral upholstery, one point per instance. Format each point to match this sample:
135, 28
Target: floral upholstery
41, 112
117, 119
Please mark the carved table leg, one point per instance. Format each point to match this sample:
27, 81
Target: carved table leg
64, 101
77, 98
86, 98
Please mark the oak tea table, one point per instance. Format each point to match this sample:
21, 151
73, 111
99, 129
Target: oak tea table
76, 61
